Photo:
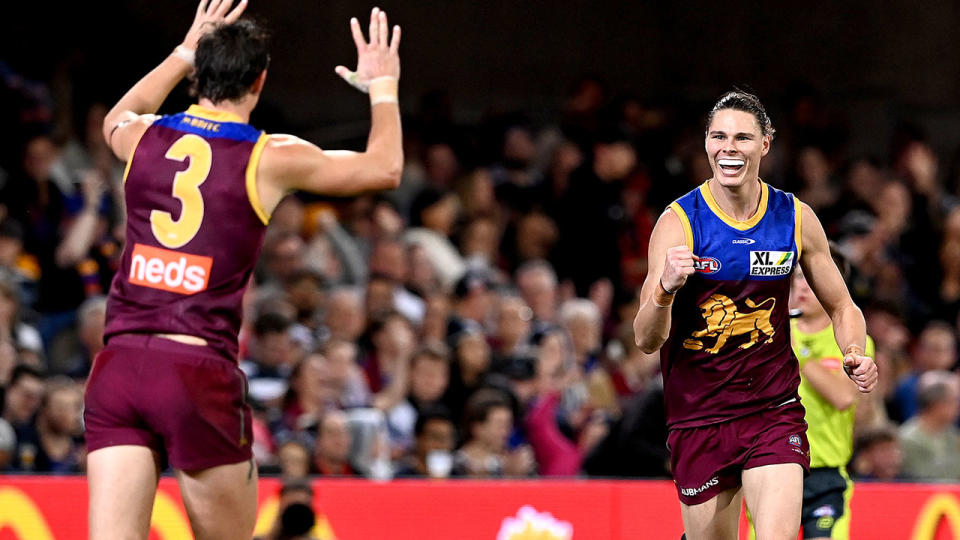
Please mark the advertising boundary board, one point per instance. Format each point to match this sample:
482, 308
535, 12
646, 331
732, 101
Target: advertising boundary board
54, 508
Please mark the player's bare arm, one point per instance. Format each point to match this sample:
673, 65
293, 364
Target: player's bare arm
292, 163
130, 117
827, 284
671, 262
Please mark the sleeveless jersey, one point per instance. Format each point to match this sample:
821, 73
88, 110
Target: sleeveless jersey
728, 354
830, 431
194, 229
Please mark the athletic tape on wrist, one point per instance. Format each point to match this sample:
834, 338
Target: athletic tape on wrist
185, 54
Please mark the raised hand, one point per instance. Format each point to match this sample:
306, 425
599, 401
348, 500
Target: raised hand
677, 267
375, 59
210, 13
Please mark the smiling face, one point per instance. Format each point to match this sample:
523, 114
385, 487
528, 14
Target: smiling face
735, 143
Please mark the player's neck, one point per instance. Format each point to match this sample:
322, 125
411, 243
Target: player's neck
813, 323
241, 108
739, 202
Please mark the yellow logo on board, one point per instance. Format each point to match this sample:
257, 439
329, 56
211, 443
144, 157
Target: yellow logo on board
725, 321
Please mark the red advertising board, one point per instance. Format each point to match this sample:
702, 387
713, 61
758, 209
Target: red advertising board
44, 508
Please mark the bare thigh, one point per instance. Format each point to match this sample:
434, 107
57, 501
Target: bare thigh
221, 501
122, 482
774, 496
716, 519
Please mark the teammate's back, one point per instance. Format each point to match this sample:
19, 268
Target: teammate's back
194, 229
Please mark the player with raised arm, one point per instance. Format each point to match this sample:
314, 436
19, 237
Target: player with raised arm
726, 251
199, 187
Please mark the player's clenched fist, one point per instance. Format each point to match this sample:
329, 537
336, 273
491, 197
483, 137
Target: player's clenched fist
861, 369
677, 267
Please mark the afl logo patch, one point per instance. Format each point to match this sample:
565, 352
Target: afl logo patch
795, 440
707, 265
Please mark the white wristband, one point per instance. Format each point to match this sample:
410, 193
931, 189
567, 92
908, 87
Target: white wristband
185, 54
383, 99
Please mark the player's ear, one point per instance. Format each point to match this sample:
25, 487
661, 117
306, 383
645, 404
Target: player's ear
766, 145
258, 83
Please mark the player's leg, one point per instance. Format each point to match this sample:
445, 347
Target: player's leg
715, 519
221, 501
122, 482
774, 495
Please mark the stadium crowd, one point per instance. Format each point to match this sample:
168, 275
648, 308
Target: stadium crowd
476, 322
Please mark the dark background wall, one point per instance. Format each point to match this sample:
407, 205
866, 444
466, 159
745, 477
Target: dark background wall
874, 61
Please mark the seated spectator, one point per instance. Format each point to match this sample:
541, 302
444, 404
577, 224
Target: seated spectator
512, 329
936, 350
270, 357
344, 376
24, 337
53, 444
429, 377
470, 365
293, 457
489, 421
344, 314
308, 395
537, 283
23, 396
389, 261
331, 456
930, 440
583, 323
432, 216
91, 318
878, 455
436, 439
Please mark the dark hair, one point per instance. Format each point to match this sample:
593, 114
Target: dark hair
23, 370
481, 403
739, 100
435, 412
271, 323
228, 61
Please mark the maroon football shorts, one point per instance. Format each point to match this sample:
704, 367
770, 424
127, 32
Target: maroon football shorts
707, 460
186, 402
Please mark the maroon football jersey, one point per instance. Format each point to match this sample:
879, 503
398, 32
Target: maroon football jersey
729, 354
194, 229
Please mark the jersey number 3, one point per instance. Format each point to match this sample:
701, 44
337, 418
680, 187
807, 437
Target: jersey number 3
186, 187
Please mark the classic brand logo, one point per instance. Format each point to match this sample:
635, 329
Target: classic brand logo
771, 263
707, 265
724, 321
167, 270
744, 241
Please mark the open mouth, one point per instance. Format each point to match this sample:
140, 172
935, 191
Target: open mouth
729, 165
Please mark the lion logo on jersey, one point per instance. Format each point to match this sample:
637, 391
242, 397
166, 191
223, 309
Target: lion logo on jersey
725, 321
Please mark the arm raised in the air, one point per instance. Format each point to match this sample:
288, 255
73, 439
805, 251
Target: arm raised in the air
292, 163
130, 117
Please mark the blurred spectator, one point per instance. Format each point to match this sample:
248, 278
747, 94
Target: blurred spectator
432, 455
581, 319
91, 318
432, 217
472, 304
936, 349
331, 455
489, 421
538, 286
8, 444
389, 260
470, 365
24, 337
53, 442
293, 457
930, 440
22, 396
878, 455
345, 314
512, 328
344, 376
270, 359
